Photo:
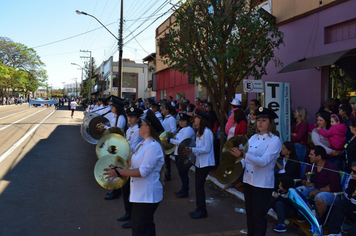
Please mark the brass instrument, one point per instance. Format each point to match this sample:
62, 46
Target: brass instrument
230, 168
114, 145
114, 130
105, 162
185, 161
168, 147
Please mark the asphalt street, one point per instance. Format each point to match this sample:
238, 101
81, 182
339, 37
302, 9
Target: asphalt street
47, 186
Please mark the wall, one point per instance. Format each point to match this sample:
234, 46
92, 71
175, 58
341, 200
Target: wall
304, 39
287, 9
174, 82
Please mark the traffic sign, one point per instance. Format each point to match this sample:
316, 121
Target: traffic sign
253, 86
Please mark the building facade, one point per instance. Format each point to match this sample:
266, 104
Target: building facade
319, 36
134, 79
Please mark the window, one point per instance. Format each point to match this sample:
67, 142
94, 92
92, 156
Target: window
340, 32
163, 45
180, 96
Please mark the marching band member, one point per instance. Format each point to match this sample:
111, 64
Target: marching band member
118, 115
146, 188
258, 178
185, 132
117, 118
169, 124
133, 137
157, 111
205, 161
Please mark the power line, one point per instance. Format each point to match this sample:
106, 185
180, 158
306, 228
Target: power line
61, 40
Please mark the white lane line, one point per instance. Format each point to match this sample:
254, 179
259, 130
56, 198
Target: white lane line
18, 143
7, 126
12, 114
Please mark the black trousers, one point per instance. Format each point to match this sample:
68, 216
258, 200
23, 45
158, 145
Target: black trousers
125, 196
200, 176
342, 208
142, 219
256, 201
167, 161
184, 177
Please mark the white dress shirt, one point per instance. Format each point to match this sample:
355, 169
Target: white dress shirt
149, 159
170, 124
121, 122
159, 116
204, 150
184, 133
260, 160
133, 137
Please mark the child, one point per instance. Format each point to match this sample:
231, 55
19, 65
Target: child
281, 204
336, 134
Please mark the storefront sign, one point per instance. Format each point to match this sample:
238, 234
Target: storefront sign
129, 90
277, 98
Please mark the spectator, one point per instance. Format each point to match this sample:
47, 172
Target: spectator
344, 207
235, 104
325, 180
300, 132
337, 137
345, 112
240, 126
251, 126
198, 105
289, 166
353, 106
254, 104
281, 204
350, 146
182, 109
330, 106
73, 106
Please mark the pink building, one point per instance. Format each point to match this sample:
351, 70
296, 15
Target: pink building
317, 35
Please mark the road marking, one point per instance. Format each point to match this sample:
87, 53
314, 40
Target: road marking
18, 143
12, 114
7, 126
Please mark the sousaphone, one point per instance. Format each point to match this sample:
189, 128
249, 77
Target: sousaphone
230, 168
84, 130
105, 162
113, 145
168, 147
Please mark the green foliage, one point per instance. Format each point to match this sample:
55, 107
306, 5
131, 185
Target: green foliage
20, 67
221, 43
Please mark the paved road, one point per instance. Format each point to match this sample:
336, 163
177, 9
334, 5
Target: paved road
47, 185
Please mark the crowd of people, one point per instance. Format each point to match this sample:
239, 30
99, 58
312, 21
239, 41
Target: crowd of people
325, 148
11, 100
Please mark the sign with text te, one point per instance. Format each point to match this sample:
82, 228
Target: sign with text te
128, 90
253, 86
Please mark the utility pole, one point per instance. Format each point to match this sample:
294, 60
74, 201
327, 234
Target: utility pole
120, 50
90, 69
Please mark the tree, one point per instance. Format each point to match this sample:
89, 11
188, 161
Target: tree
25, 70
91, 70
221, 43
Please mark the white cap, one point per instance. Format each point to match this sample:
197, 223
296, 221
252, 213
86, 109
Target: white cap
235, 102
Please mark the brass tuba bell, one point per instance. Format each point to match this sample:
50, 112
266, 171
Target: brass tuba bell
168, 147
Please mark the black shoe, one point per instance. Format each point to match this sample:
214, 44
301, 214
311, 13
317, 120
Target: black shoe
182, 195
199, 214
124, 217
112, 196
179, 192
193, 212
127, 225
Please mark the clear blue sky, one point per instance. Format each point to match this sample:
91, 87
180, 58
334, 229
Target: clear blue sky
36, 23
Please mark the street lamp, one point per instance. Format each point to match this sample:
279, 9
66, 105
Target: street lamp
81, 80
120, 42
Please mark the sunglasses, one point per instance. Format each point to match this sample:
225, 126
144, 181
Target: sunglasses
252, 114
354, 171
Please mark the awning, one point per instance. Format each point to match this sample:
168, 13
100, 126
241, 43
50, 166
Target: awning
323, 60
